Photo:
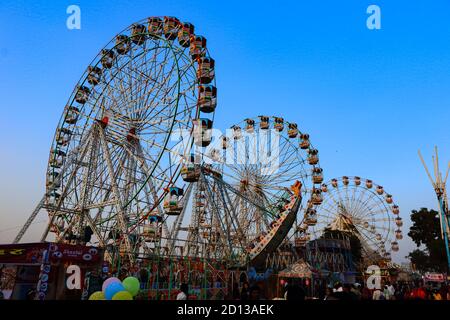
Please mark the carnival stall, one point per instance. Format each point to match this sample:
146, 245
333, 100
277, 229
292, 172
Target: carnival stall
47, 271
299, 273
161, 278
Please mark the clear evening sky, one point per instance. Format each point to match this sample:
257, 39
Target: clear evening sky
369, 98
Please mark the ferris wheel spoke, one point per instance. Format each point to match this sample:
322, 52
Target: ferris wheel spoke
140, 157
332, 213
148, 94
216, 212
167, 77
331, 196
359, 200
347, 203
352, 200
84, 149
365, 241
371, 198
340, 199
150, 68
181, 112
119, 204
232, 216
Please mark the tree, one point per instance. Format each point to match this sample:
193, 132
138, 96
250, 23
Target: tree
426, 233
420, 260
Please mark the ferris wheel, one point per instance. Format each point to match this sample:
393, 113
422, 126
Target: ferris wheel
247, 191
364, 209
110, 164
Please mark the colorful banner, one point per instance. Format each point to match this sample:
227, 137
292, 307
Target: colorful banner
437, 277
28, 253
75, 253
32, 253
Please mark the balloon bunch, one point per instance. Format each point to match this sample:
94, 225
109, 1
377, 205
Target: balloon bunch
114, 289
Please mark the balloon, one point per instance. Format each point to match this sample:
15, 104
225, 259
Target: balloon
122, 295
98, 295
131, 284
108, 282
112, 289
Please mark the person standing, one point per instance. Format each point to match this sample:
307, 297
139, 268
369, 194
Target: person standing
366, 294
391, 291
386, 292
244, 291
329, 294
184, 291
377, 294
436, 295
295, 292
419, 292
143, 277
31, 294
356, 291
255, 293
443, 291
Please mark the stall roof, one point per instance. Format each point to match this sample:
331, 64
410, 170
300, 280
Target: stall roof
299, 269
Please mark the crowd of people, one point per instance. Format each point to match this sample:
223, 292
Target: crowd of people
386, 291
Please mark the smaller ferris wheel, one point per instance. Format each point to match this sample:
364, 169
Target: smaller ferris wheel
361, 208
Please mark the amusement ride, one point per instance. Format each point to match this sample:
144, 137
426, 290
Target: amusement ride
134, 167
363, 209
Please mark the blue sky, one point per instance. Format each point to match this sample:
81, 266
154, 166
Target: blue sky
369, 99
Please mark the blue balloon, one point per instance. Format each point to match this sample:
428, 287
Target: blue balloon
112, 289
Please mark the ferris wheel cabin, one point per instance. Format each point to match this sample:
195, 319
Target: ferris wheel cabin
207, 98
138, 34
197, 47
317, 175
94, 75
304, 141
313, 157
205, 70
292, 130
278, 124
107, 59
122, 44
190, 171
202, 132
82, 94
171, 27
172, 205
155, 27
184, 34
264, 122
63, 136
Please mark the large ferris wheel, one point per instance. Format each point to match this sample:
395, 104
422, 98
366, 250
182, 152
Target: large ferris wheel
363, 209
110, 164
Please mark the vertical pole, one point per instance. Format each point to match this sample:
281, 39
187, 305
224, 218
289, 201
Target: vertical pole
205, 276
170, 276
149, 284
445, 228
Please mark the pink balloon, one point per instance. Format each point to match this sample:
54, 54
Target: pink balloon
108, 282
